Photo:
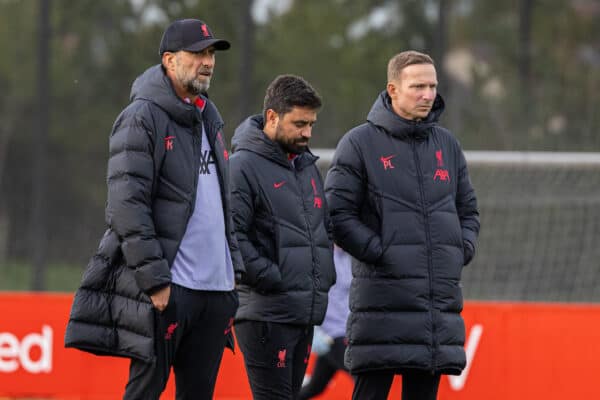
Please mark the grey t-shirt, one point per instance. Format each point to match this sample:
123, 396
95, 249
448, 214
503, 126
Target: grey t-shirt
203, 261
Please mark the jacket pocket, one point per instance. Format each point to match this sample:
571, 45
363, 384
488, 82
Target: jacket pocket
172, 188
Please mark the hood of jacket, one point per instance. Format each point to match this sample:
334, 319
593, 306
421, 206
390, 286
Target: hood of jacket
383, 115
154, 85
249, 136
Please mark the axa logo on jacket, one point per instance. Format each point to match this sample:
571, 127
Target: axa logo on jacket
440, 173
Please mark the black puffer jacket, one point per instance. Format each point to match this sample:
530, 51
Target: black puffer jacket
152, 177
402, 204
281, 224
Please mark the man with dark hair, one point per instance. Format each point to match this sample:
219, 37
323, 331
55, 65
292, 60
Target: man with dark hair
402, 204
161, 288
280, 219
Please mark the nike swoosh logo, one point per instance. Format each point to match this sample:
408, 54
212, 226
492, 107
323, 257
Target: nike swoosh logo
277, 185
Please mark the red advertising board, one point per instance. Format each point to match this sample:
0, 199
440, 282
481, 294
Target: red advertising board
514, 351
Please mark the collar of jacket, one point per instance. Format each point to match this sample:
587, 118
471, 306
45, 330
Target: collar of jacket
249, 136
383, 116
154, 85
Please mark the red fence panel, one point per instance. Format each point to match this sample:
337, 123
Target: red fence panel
514, 351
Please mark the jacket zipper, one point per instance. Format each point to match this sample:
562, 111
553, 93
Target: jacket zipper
211, 133
310, 238
429, 256
196, 148
192, 205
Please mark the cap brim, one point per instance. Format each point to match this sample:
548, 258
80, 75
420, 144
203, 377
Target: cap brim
218, 44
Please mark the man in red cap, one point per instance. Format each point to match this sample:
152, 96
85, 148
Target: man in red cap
161, 288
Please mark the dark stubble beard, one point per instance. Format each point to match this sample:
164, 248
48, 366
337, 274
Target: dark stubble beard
290, 145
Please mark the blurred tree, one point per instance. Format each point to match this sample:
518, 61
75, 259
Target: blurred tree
39, 209
525, 20
440, 45
246, 42
531, 72
17, 20
342, 47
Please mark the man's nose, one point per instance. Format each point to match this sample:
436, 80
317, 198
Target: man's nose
429, 94
307, 132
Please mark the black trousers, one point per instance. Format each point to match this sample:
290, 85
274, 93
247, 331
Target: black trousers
416, 385
190, 337
276, 356
325, 367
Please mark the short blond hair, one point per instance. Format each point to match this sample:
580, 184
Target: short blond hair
403, 60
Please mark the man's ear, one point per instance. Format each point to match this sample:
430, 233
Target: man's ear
392, 89
271, 120
168, 60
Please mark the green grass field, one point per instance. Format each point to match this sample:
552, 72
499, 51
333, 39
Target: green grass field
16, 276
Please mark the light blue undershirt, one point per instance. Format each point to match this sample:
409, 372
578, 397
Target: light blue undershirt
203, 261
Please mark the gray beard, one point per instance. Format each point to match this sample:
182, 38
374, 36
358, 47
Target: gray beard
196, 87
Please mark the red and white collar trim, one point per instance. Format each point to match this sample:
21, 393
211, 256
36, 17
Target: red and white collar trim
200, 103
